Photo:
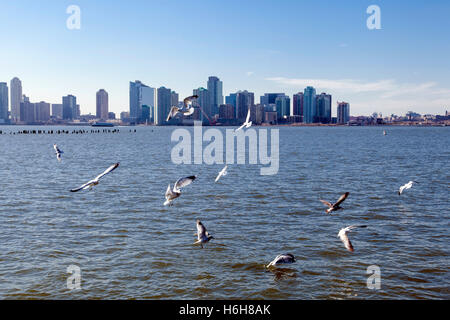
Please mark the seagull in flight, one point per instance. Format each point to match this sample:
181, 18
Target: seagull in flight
223, 172
405, 187
186, 111
344, 237
282, 258
335, 206
247, 123
175, 192
58, 152
203, 236
94, 182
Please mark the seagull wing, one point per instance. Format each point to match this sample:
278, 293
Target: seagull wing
111, 168
240, 128
172, 113
342, 198
82, 187
187, 101
183, 182
168, 192
248, 116
222, 173
189, 112
345, 240
201, 230
326, 203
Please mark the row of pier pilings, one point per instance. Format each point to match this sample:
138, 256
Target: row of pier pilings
64, 131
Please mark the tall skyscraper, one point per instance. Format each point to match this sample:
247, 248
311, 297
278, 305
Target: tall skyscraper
174, 97
283, 105
140, 95
4, 102
297, 105
231, 99
343, 112
323, 107
27, 112
215, 89
102, 104
69, 107
244, 100
16, 98
309, 105
163, 105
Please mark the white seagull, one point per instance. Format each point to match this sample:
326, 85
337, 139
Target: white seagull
247, 123
282, 258
94, 182
186, 111
58, 152
344, 238
335, 206
223, 172
203, 236
405, 187
172, 194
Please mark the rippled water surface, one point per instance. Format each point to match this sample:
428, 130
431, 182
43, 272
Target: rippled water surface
128, 245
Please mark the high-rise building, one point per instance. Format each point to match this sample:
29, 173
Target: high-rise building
269, 98
283, 106
244, 100
27, 112
163, 105
16, 98
323, 108
4, 102
203, 102
309, 105
102, 104
214, 87
69, 107
343, 112
140, 95
226, 111
231, 99
42, 111
297, 105
57, 110
174, 97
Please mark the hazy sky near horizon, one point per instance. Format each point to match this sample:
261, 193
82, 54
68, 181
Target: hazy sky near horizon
260, 46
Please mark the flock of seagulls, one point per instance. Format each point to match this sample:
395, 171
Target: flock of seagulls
202, 234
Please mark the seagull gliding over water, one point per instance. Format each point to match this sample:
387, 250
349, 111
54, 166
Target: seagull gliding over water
58, 152
344, 238
172, 194
406, 187
282, 258
335, 206
203, 236
247, 123
223, 172
95, 181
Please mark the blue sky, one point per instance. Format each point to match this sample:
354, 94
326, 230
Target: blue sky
261, 46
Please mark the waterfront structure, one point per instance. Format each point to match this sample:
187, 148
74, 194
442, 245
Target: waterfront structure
4, 102
283, 106
70, 110
297, 105
226, 111
215, 88
141, 94
204, 102
16, 98
57, 110
42, 112
309, 105
244, 100
102, 104
343, 112
323, 108
163, 105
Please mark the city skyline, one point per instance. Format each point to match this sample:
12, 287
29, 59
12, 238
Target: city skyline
391, 70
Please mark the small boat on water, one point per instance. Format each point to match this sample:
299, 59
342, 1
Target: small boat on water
102, 124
